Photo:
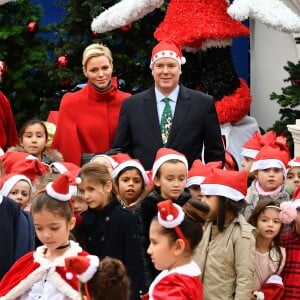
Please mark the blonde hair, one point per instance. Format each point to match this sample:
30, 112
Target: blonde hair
95, 50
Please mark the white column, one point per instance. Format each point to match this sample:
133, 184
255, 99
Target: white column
294, 129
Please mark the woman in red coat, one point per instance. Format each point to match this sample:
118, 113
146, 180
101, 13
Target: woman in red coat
88, 118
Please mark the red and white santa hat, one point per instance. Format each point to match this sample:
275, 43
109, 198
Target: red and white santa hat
84, 267
8, 181
135, 163
165, 154
199, 171
169, 214
295, 162
167, 49
273, 288
63, 167
273, 155
226, 183
59, 188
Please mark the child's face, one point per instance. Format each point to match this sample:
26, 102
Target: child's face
172, 180
79, 205
268, 224
20, 193
213, 203
52, 229
293, 176
161, 250
246, 163
270, 179
130, 186
34, 140
195, 191
94, 194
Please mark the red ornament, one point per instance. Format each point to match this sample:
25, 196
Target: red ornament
65, 84
95, 34
126, 27
62, 61
3, 70
296, 82
32, 26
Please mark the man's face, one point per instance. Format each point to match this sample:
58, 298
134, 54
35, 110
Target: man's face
166, 73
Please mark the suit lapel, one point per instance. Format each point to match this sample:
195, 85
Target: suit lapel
182, 108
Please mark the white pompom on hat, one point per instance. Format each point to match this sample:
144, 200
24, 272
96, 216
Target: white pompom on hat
59, 188
130, 163
273, 155
170, 215
226, 183
8, 181
84, 267
167, 49
165, 154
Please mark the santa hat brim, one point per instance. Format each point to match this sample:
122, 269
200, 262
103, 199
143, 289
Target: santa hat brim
249, 152
52, 193
91, 270
10, 182
195, 180
60, 167
221, 190
268, 163
130, 163
172, 223
164, 159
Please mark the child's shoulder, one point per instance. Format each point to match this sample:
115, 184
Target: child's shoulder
246, 230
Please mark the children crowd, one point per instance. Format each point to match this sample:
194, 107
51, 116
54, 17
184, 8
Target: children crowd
111, 230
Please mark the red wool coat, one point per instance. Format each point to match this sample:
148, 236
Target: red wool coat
87, 121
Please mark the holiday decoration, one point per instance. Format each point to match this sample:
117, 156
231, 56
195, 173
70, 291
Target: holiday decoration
207, 28
65, 84
62, 61
126, 27
32, 27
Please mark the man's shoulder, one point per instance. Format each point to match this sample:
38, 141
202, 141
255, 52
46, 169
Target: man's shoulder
140, 95
195, 93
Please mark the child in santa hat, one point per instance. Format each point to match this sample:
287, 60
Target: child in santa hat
269, 167
174, 234
42, 273
226, 252
99, 280
131, 180
197, 174
268, 217
107, 228
290, 240
169, 175
292, 179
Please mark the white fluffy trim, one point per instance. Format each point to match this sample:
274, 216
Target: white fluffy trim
123, 13
272, 13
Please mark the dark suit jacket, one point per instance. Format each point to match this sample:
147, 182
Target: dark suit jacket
195, 123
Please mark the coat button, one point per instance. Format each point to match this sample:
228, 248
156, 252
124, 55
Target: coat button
107, 219
102, 239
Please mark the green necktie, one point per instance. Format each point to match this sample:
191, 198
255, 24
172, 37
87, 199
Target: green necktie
166, 121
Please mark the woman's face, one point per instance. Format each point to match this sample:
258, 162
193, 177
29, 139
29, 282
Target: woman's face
98, 71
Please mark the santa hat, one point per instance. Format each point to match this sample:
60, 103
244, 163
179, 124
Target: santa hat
9, 158
74, 180
84, 267
108, 157
272, 289
32, 168
226, 183
59, 188
273, 155
296, 197
256, 142
199, 171
63, 167
130, 163
165, 154
167, 49
295, 162
171, 215
8, 181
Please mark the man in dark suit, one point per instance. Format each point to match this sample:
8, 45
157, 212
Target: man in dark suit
194, 122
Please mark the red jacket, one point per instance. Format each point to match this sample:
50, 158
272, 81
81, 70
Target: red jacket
87, 121
8, 131
291, 271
